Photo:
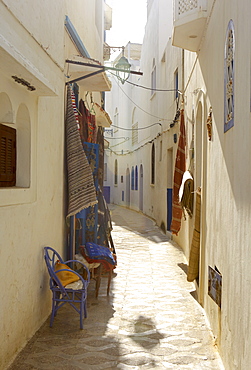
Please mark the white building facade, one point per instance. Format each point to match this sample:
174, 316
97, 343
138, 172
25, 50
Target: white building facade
202, 48
34, 47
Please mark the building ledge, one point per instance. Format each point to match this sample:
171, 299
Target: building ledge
189, 23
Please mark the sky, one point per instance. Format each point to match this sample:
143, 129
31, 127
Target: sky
128, 21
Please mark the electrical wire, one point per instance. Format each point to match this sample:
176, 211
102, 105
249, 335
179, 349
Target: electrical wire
152, 89
160, 118
108, 137
137, 129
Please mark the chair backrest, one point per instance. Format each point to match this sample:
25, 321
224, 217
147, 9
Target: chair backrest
51, 257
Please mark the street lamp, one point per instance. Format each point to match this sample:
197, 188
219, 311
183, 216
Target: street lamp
123, 68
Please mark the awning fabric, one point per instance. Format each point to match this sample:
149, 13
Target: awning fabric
102, 117
97, 82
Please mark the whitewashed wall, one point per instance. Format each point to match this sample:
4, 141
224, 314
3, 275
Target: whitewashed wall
221, 166
225, 178
32, 214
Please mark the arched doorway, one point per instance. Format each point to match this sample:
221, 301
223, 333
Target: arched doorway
200, 169
198, 146
141, 188
127, 198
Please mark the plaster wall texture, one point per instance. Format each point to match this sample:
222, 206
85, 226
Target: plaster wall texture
31, 217
32, 214
151, 110
225, 179
221, 166
88, 21
33, 15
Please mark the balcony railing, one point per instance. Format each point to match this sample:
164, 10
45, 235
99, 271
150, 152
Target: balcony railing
189, 21
185, 6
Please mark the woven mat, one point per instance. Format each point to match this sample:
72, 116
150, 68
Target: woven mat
81, 189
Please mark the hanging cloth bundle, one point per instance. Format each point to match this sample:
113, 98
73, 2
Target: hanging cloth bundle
180, 167
194, 258
186, 193
81, 189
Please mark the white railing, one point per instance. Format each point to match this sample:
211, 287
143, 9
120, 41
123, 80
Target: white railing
186, 7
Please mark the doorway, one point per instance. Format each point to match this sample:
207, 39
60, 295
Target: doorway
200, 174
141, 188
169, 187
127, 200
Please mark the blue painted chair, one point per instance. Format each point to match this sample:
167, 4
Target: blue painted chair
76, 297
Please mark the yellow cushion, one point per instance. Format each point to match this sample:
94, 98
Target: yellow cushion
66, 277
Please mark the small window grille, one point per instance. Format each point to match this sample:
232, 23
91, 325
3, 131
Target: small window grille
136, 178
7, 156
135, 134
153, 165
116, 172
132, 179
229, 78
153, 78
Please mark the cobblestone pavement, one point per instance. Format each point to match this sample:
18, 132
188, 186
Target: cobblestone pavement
149, 321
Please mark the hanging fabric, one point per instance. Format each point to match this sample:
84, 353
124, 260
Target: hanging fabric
194, 258
81, 190
89, 216
83, 122
186, 192
100, 142
92, 130
180, 167
73, 102
104, 222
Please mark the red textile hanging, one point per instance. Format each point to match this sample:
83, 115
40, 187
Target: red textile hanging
180, 167
92, 130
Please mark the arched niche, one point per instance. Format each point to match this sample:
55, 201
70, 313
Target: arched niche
23, 126
6, 111
198, 145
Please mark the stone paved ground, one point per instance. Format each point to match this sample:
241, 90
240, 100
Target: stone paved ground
149, 321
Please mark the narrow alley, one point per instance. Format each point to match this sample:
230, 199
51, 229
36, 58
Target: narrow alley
149, 321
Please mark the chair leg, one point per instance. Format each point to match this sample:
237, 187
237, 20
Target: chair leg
98, 279
82, 305
109, 281
85, 309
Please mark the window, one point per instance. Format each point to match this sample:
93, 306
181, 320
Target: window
116, 120
7, 156
229, 78
153, 165
136, 177
153, 78
163, 68
160, 151
176, 84
122, 179
134, 128
116, 172
132, 179
15, 142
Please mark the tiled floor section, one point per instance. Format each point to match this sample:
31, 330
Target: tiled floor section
149, 321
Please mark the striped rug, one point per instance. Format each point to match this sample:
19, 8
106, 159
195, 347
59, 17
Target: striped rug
81, 190
180, 167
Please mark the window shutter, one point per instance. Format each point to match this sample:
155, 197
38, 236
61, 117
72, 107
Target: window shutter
7, 156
